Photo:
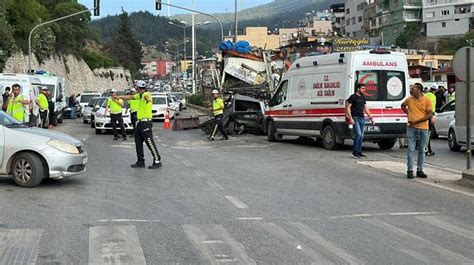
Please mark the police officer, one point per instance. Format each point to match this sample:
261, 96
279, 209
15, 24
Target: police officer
143, 132
114, 105
133, 103
16, 104
218, 111
42, 102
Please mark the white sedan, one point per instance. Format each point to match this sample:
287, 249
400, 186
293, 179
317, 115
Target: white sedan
444, 118
162, 101
102, 122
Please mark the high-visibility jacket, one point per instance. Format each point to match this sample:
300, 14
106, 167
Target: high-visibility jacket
432, 97
16, 109
451, 97
218, 106
43, 102
133, 105
115, 107
144, 108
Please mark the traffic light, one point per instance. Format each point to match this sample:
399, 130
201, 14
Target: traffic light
158, 4
96, 8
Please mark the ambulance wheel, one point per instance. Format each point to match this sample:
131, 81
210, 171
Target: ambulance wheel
329, 138
272, 134
386, 144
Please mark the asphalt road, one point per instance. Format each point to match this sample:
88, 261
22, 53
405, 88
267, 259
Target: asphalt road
242, 201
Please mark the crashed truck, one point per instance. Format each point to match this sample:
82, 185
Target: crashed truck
246, 84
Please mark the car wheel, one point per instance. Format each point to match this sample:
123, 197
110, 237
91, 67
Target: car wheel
27, 170
329, 138
452, 142
386, 144
92, 124
60, 120
272, 134
98, 131
231, 128
84, 121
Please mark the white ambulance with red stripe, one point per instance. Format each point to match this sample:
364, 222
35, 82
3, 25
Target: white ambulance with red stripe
310, 99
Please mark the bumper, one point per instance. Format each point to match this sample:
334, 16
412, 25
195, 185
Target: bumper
63, 165
159, 115
86, 117
105, 124
387, 131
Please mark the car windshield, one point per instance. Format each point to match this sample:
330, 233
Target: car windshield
93, 102
50, 87
159, 101
101, 101
87, 98
9, 121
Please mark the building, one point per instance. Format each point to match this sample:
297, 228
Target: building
354, 18
150, 68
448, 17
338, 20
157, 68
431, 67
396, 15
287, 36
260, 38
373, 21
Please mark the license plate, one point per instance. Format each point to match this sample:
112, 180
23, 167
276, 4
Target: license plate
372, 129
84, 160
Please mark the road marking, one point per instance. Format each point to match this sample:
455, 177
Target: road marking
19, 246
122, 146
382, 214
186, 163
178, 157
199, 173
449, 224
126, 220
339, 255
236, 202
417, 247
215, 185
249, 218
115, 245
216, 245
314, 256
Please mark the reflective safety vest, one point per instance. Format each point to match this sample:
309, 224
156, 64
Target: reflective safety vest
451, 97
218, 106
16, 109
432, 97
133, 105
144, 108
115, 107
43, 102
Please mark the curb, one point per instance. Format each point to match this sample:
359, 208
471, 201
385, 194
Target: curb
203, 110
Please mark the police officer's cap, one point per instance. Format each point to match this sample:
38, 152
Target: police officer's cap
141, 84
215, 91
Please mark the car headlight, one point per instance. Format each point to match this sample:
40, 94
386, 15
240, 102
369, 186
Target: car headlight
99, 115
63, 146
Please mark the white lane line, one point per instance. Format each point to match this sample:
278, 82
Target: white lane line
115, 245
216, 245
122, 146
337, 254
382, 214
178, 157
412, 245
236, 202
126, 220
215, 185
449, 224
19, 246
186, 163
199, 173
249, 218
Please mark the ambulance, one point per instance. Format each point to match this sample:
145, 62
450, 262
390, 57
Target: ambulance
310, 99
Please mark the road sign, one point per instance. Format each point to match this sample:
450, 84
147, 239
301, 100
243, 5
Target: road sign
459, 63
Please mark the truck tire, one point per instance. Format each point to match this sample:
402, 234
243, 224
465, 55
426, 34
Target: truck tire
273, 136
452, 142
386, 144
329, 138
27, 170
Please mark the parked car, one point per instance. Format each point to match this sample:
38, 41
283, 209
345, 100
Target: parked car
444, 117
182, 99
95, 109
31, 154
457, 136
67, 111
160, 102
102, 122
175, 105
87, 111
85, 97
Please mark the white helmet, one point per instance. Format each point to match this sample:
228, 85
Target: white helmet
215, 91
141, 84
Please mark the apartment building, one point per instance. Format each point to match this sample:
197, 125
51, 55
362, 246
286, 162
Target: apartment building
354, 18
373, 21
260, 37
448, 17
396, 15
338, 20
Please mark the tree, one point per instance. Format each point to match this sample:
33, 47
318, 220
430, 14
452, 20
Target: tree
8, 42
125, 47
410, 36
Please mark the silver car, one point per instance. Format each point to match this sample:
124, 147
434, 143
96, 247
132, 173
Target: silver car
30, 155
89, 108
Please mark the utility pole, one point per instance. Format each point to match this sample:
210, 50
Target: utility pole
194, 54
236, 21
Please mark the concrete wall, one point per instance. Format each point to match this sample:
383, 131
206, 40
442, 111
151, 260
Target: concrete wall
79, 76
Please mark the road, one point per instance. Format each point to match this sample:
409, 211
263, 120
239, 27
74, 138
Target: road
242, 201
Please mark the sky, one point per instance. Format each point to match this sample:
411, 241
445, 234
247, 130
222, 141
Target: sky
113, 7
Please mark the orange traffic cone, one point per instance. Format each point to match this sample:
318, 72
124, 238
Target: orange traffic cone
167, 123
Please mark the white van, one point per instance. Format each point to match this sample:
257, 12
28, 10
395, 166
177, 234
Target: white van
29, 89
56, 86
310, 99
85, 97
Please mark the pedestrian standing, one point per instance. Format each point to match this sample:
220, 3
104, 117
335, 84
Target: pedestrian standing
218, 111
143, 132
133, 104
420, 110
356, 106
16, 104
42, 102
114, 106
52, 113
5, 96
451, 93
431, 95
72, 106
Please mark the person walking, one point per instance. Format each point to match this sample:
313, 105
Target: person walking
72, 105
419, 109
356, 106
133, 104
218, 111
5, 96
431, 95
42, 102
143, 132
114, 105
16, 104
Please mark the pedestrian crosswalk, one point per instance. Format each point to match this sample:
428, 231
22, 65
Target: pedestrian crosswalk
307, 242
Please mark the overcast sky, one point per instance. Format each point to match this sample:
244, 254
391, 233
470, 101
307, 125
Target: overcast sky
112, 7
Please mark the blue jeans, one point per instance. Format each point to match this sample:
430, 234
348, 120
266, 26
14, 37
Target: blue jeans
415, 135
73, 112
358, 128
